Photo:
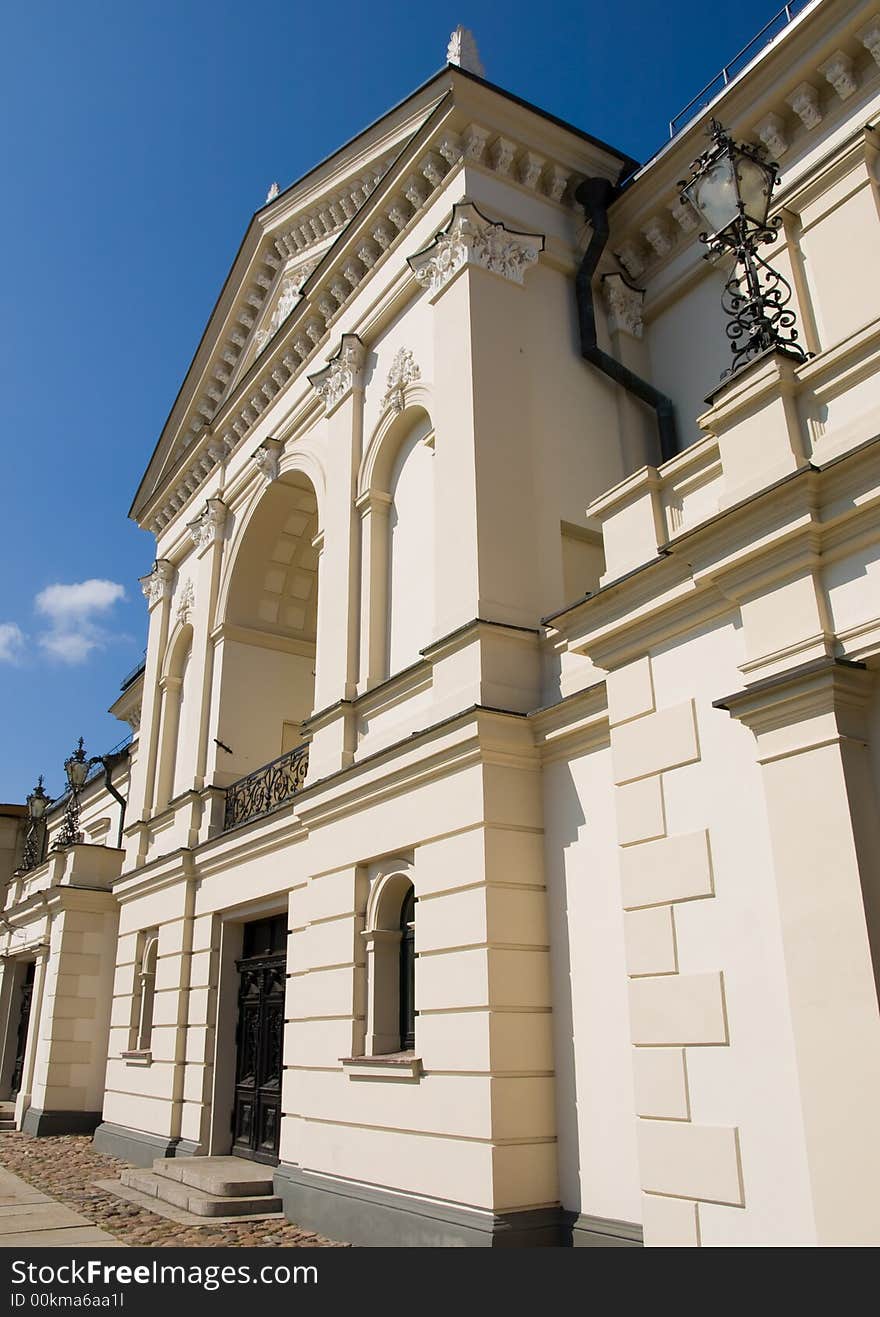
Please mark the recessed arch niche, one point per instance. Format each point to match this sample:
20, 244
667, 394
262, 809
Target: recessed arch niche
268, 637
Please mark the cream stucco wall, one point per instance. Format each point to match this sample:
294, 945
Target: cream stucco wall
627, 750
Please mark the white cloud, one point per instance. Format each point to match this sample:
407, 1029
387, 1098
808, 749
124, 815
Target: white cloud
78, 602
72, 611
11, 642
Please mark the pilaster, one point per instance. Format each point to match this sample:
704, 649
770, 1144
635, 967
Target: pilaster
683, 1162
340, 385
157, 591
374, 508
811, 741
754, 417
208, 534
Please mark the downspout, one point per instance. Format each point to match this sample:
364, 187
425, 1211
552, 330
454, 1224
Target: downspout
108, 768
595, 195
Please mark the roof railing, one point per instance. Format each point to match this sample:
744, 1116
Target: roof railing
768, 33
134, 674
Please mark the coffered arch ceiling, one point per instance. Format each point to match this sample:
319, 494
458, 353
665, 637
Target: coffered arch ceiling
274, 583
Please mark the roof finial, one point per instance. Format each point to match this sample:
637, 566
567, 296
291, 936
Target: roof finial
462, 50
273, 192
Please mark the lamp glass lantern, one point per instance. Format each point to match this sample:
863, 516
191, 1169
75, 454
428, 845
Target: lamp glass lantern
77, 768
731, 188
732, 184
38, 802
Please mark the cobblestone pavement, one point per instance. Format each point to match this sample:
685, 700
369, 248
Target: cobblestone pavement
66, 1166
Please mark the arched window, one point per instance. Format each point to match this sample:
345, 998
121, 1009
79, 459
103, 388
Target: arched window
390, 940
407, 980
410, 619
141, 1033
187, 726
180, 712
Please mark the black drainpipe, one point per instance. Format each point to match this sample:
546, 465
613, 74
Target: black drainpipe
108, 764
595, 195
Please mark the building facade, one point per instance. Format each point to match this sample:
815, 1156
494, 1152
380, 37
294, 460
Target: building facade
500, 852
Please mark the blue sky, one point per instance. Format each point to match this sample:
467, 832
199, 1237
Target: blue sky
139, 139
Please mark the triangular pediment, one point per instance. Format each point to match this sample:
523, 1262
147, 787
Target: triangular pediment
284, 243
308, 250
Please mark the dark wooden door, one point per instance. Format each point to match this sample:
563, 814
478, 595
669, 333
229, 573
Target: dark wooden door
256, 1119
27, 992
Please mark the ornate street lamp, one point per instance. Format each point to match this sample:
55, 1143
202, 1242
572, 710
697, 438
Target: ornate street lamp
76, 766
37, 804
731, 187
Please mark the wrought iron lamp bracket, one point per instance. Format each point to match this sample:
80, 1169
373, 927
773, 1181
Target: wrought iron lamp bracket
756, 296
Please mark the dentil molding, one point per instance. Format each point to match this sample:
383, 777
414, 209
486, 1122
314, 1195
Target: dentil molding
472, 239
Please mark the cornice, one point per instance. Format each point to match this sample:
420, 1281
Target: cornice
826, 685
430, 158
800, 523
649, 226
575, 724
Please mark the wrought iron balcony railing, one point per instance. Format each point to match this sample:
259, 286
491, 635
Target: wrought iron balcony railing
266, 788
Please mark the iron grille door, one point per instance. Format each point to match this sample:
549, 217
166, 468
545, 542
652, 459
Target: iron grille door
257, 1113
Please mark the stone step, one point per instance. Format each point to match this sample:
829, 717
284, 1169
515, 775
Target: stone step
196, 1200
6, 1124
218, 1177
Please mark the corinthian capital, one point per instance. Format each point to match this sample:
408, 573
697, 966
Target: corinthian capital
156, 585
207, 528
472, 239
342, 373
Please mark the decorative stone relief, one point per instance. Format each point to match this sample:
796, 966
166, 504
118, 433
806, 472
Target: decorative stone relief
156, 584
475, 138
257, 316
502, 154
451, 149
530, 169
870, 38
772, 133
403, 371
838, 70
266, 459
804, 100
623, 305
472, 239
185, 603
341, 373
630, 259
208, 526
684, 215
657, 235
557, 181
288, 299
462, 50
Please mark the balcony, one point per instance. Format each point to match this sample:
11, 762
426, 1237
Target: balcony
267, 788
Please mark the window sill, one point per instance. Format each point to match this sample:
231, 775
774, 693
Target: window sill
399, 1066
138, 1058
